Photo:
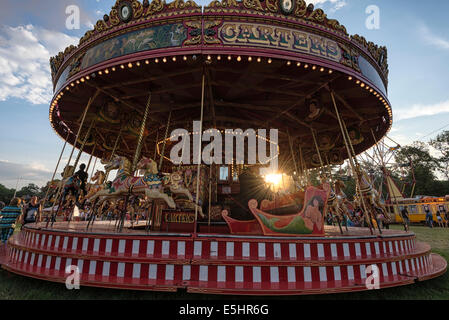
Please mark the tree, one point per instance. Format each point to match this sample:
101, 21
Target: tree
441, 143
6, 194
29, 190
419, 166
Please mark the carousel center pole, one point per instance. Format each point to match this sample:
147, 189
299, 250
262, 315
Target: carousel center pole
91, 100
354, 169
53, 176
199, 152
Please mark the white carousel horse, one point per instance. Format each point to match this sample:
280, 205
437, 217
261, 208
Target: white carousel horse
125, 183
173, 180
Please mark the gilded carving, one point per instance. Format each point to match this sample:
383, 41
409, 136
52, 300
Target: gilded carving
155, 6
301, 8
194, 32
180, 4
137, 8
253, 4
223, 4
272, 7
317, 16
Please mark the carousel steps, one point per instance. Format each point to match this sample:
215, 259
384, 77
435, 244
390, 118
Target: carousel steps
226, 279
182, 256
221, 264
216, 250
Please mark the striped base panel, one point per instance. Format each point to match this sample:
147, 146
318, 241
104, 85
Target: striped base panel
223, 264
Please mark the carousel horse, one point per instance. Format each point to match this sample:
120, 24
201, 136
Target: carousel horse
371, 197
126, 183
173, 181
98, 179
336, 202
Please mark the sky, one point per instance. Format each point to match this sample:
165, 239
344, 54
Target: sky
32, 31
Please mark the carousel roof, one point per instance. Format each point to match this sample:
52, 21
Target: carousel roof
267, 64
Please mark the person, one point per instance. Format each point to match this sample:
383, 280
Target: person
405, 218
446, 215
32, 211
82, 175
429, 217
9, 216
439, 219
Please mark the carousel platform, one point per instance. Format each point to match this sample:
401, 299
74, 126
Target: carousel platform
220, 263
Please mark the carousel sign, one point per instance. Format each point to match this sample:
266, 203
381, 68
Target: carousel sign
260, 35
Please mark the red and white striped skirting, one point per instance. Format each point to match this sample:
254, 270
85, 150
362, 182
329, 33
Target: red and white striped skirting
222, 264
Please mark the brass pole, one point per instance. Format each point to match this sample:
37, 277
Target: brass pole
93, 169
291, 150
142, 131
91, 100
199, 153
84, 143
91, 156
113, 151
304, 166
354, 170
161, 160
54, 173
317, 148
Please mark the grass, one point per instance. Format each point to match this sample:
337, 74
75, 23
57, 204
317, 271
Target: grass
14, 287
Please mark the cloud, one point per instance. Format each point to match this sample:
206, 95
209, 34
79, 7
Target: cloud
420, 110
432, 39
32, 173
24, 61
332, 5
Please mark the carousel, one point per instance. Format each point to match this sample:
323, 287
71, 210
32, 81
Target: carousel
154, 78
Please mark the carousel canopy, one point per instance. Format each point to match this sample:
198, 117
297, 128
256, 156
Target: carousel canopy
267, 64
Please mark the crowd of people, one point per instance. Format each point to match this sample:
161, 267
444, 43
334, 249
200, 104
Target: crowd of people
356, 218
19, 211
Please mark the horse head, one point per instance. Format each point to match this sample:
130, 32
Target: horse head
68, 172
148, 165
98, 176
113, 164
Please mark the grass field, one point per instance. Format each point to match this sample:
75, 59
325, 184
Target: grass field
17, 287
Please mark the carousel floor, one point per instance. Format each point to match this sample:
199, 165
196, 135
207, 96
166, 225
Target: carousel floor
219, 263
109, 227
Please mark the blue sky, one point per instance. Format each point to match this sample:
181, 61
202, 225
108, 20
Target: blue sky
31, 31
